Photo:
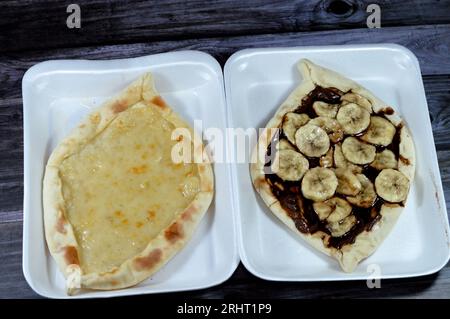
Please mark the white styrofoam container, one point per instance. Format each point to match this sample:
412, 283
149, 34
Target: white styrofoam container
256, 83
58, 94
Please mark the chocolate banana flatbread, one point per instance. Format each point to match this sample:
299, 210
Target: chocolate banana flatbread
335, 164
116, 206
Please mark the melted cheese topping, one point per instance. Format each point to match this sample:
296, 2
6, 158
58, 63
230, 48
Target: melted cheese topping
122, 188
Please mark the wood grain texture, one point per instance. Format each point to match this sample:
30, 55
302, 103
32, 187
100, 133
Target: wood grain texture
42, 24
12, 281
431, 44
241, 285
11, 159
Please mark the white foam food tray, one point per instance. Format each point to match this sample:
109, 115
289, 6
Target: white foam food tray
257, 81
58, 94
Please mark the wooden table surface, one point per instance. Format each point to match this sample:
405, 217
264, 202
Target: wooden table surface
35, 31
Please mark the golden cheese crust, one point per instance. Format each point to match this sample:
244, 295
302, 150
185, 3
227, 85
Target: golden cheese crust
116, 208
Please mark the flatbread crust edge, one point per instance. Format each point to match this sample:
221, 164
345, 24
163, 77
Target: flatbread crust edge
367, 241
59, 233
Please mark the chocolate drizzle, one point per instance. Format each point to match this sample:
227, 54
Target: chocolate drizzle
386, 111
327, 95
395, 144
300, 209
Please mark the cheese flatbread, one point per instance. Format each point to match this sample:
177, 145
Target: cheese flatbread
116, 206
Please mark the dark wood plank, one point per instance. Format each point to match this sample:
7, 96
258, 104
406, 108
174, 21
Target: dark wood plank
244, 285
431, 44
11, 159
438, 96
12, 281
241, 285
42, 24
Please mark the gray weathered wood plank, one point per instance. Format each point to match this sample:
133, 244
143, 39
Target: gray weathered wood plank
431, 44
11, 157
42, 24
12, 281
241, 285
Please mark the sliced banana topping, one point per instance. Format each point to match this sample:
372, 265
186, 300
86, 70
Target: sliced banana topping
340, 209
346, 145
325, 109
333, 209
327, 159
291, 123
358, 99
322, 209
380, 132
312, 141
339, 158
341, 161
319, 184
348, 183
353, 118
331, 126
342, 227
358, 152
290, 165
384, 159
367, 196
392, 185
285, 145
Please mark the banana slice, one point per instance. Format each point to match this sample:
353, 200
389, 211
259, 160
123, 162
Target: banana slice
333, 209
341, 161
291, 123
353, 118
339, 158
348, 183
340, 209
327, 159
366, 198
385, 159
358, 99
325, 109
312, 141
322, 209
285, 145
342, 227
392, 185
319, 184
380, 132
290, 165
331, 126
358, 152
